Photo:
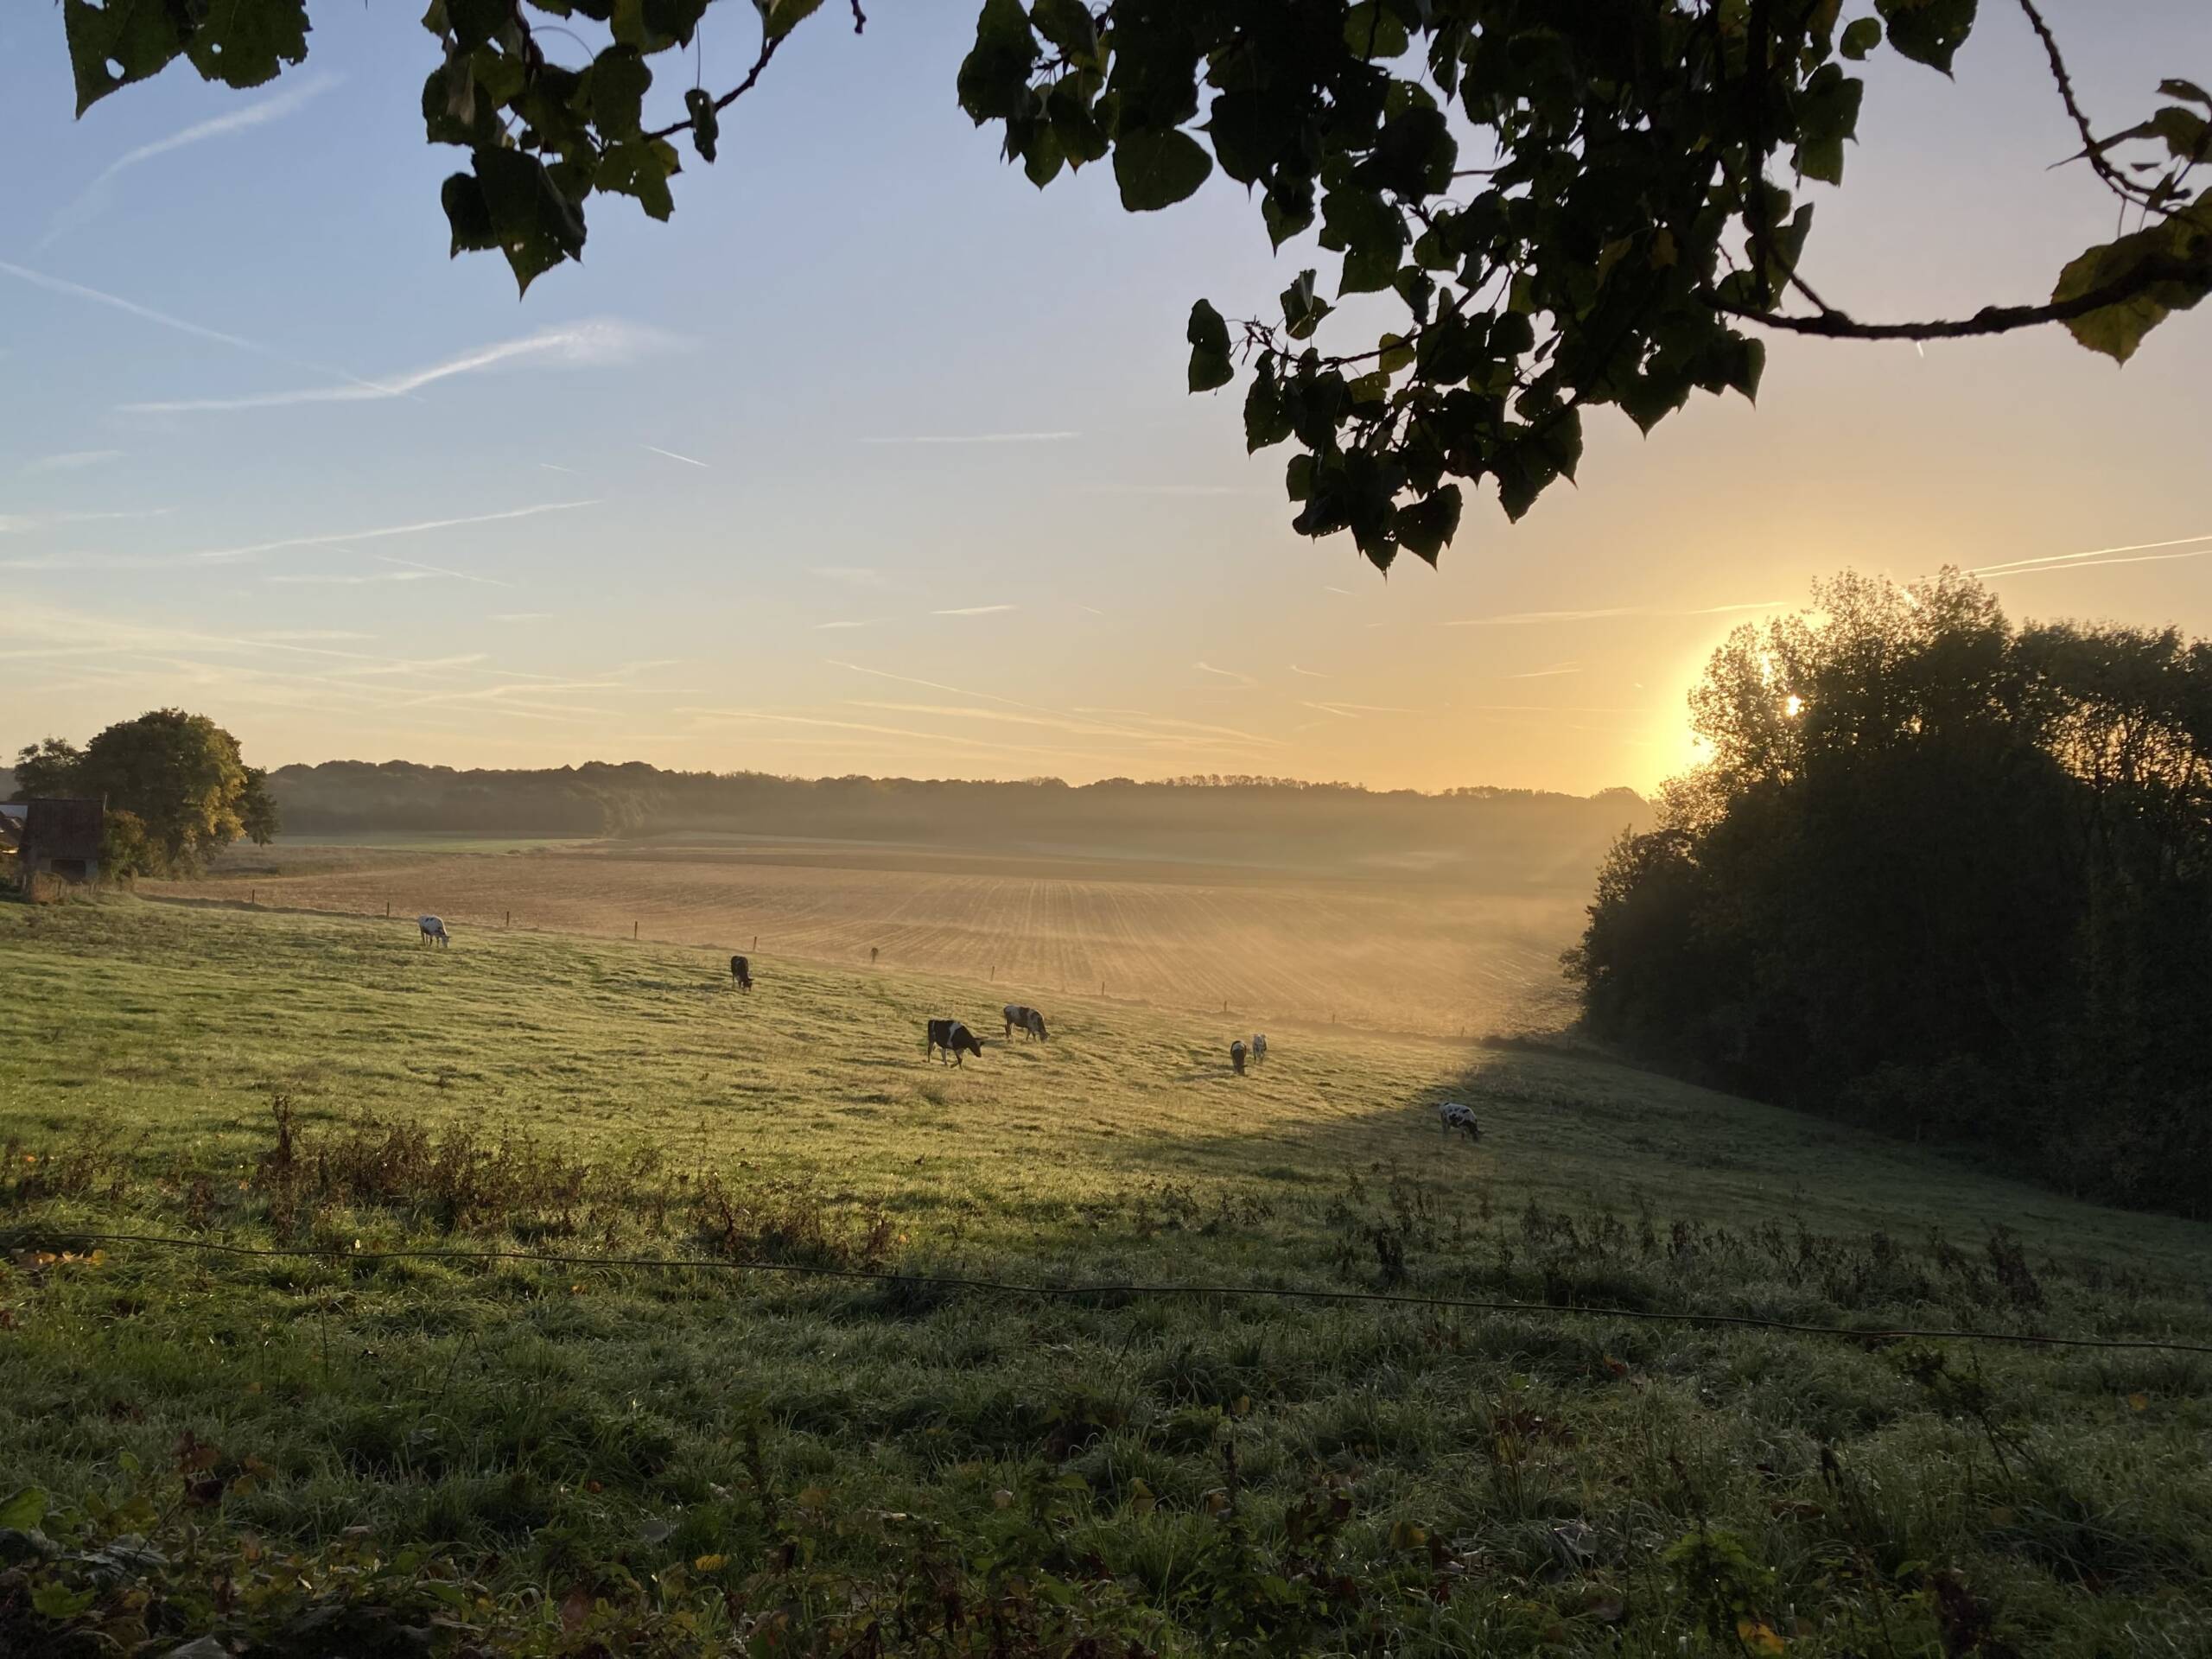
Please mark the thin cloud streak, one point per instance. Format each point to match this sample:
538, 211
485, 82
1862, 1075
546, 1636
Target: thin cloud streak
2086, 553
1311, 674
77, 290
2093, 564
519, 616
440, 570
579, 345
869, 622
935, 685
19, 524
307, 579
1245, 681
89, 201
254, 550
71, 461
1520, 618
672, 455
982, 437
976, 610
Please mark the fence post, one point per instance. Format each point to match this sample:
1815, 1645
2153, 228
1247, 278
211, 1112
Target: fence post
511, 918
387, 909
634, 929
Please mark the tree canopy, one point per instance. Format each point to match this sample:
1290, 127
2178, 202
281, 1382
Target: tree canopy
175, 785
1942, 874
1574, 206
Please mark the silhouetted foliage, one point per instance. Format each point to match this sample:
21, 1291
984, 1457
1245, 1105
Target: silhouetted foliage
175, 788
1557, 206
1943, 876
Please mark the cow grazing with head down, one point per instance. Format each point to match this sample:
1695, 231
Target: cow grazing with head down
434, 931
1454, 1115
1031, 1023
954, 1038
1237, 1056
740, 973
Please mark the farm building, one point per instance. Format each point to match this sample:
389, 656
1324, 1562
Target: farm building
59, 838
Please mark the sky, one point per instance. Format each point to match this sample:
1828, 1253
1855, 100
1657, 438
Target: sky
875, 459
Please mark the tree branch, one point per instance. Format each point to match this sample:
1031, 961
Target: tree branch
768, 45
2092, 148
1990, 319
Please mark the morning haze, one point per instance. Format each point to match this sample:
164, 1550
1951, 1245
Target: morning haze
788, 868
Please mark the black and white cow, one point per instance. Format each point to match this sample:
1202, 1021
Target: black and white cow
434, 931
954, 1038
1259, 1046
740, 973
1027, 1020
1237, 1056
1454, 1115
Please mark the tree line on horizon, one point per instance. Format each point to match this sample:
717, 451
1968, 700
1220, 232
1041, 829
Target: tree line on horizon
1943, 876
1510, 835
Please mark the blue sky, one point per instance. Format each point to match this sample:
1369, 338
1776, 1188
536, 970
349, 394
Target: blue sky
877, 459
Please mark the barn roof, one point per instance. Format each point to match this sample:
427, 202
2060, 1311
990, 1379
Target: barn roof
64, 829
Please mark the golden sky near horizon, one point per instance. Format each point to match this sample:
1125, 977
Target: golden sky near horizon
875, 459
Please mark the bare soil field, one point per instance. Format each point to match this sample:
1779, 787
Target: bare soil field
1380, 951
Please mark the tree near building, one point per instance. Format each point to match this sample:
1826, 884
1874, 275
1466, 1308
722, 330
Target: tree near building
177, 787
1572, 206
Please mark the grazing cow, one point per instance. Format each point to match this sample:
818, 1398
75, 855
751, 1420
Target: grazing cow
954, 1038
741, 972
434, 931
1259, 1046
1237, 1056
1030, 1022
1454, 1115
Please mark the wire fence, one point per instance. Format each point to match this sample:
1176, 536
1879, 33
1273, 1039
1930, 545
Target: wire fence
1876, 1335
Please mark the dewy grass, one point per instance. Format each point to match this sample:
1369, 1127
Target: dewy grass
346, 1454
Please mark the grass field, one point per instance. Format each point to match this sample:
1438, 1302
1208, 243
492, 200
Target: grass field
1376, 949
371, 1455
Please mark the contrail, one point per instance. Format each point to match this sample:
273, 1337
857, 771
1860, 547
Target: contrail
1519, 619
576, 344
672, 455
225, 555
2086, 553
88, 201
983, 437
77, 290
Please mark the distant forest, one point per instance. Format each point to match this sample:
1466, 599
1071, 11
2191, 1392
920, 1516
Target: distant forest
1515, 837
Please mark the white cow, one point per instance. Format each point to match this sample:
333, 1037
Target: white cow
1454, 1115
434, 931
1259, 1046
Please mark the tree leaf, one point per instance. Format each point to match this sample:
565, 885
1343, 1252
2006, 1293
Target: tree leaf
1159, 167
1266, 421
112, 46
1209, 337
2117, 330
468, 215
615, 85
1862, 36
535, 226
246, 44
994, 76
22, 1508
706, 123
779, 17
1069, 26
1928, 31
1426, 527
